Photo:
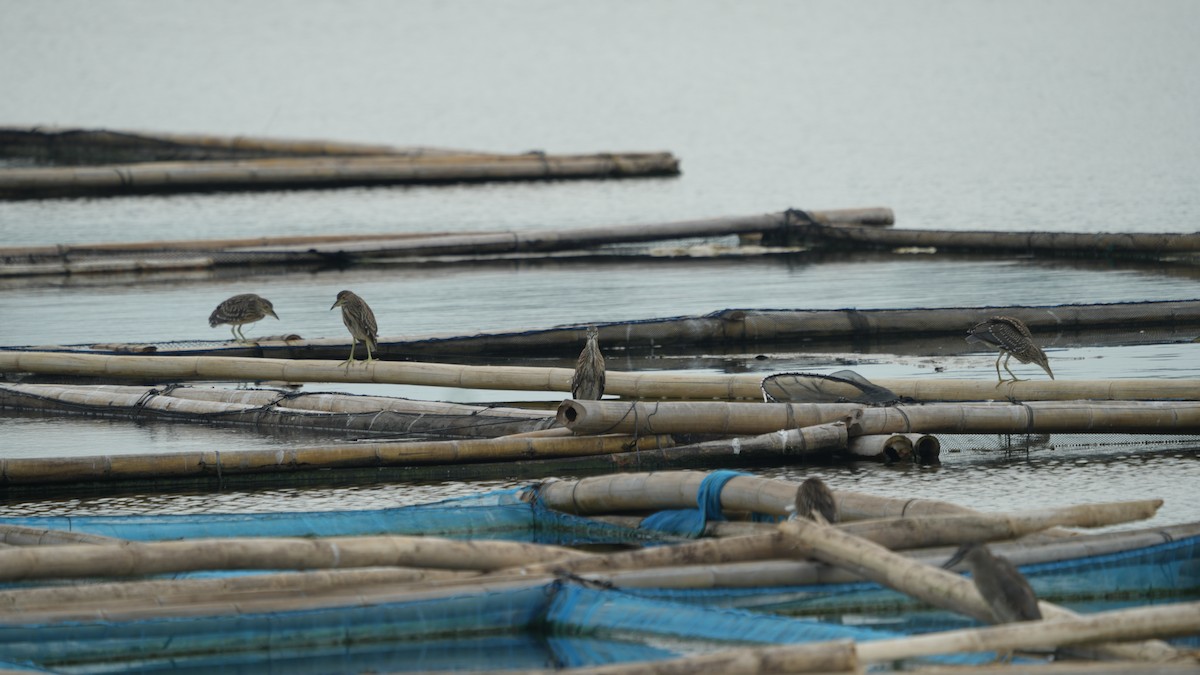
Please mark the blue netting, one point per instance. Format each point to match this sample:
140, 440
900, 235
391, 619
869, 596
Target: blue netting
469, 613
581, 610
524, 651
690, 523
516, 514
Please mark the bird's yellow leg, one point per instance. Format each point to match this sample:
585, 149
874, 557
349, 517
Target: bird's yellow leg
351, 359
369, 357
1014, 377
999, 380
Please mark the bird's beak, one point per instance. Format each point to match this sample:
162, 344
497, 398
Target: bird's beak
335, 304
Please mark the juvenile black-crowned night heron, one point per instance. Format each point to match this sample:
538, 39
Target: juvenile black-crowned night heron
587, 384
360, 321
1002, 586
814, 501
240, 310
1012, 338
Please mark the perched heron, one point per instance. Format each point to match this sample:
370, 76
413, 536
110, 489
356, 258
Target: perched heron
588, 382
240, 310
360, 321
1012, 338
1005, 590
814, 501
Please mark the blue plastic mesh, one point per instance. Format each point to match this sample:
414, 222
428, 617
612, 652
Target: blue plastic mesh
515, 514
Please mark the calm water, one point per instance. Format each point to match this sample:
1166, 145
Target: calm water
1076, 115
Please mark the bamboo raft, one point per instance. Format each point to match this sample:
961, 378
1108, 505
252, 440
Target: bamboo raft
402, 587
291, 166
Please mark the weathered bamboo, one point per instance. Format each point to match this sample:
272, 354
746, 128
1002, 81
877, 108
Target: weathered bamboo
1063, 629
678, 490
265, 408
842, 656
228, 463
73, 252
461, 242
50, 597
741, 327
814, 657
816, 439
314, 172
926, 448
142, 558
1159, 417
1098, 243
899, 533
645, 385
889, 533
65, 145
19, 535
924, 582
333, 402
528, 241
881, 447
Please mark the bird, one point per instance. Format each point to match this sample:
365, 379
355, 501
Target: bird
360, 321
239, 310
1012, 338
588, 381
814, 501
1005, 590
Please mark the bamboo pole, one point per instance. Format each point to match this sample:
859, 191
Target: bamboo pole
1142, 623
142, 558
1063, 629
1157, 417
927, 449
529, 241
160, 591
64, 144
892, 534
1098, 243
311, 172
19, 535
459, 242
813, 657
926, 583
659, 490
112, 468
375, 415
881, 447
901, 533
627, 384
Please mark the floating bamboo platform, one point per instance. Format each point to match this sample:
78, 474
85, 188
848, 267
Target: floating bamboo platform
290, 166
359, 574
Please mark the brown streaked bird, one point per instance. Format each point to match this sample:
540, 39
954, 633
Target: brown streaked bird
1012, 338
587, 384
360, 321
1006, 591
240, 310
814, 501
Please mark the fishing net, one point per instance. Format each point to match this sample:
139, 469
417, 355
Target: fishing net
844, 386
514, 515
